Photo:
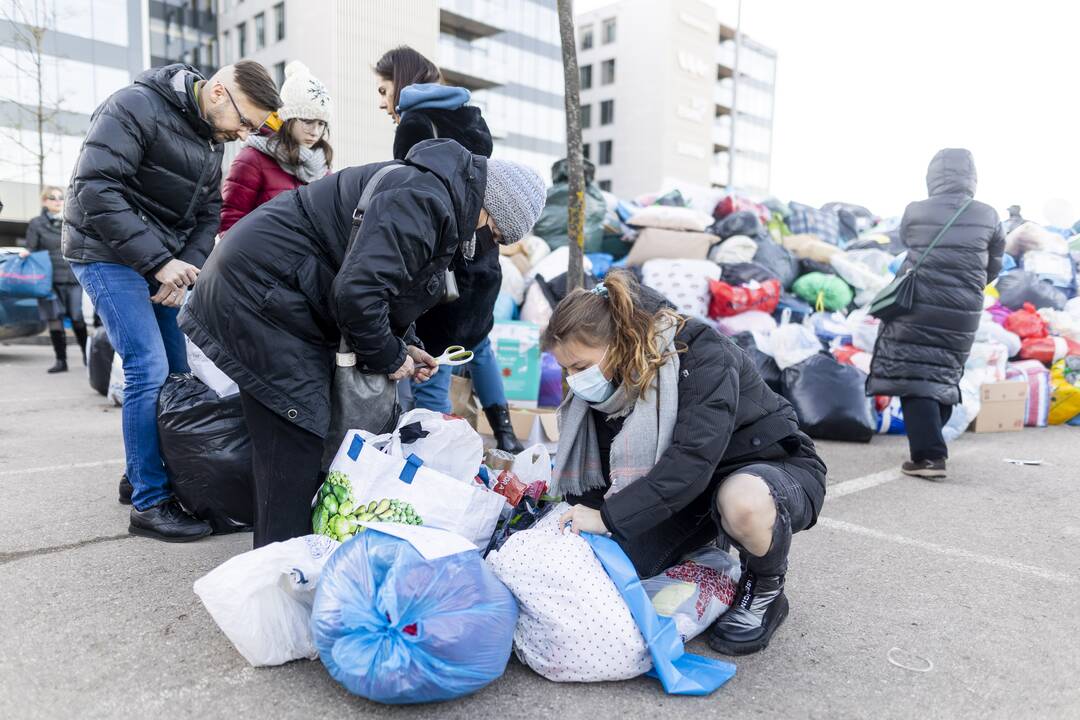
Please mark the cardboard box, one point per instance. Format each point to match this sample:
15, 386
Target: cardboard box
1003, 407
517, 351
533, 426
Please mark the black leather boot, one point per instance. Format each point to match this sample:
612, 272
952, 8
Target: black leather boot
125, 491
79, 328
499, 418
59, 343
167, 521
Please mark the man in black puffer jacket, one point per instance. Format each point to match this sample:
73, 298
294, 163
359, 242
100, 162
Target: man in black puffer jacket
143, 209
920, 356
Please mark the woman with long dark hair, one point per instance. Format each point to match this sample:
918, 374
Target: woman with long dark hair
411, 92
669, 439
297, 154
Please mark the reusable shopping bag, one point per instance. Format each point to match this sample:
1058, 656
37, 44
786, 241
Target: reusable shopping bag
262, 599
366, 484
27, 277
444, 442
411, 617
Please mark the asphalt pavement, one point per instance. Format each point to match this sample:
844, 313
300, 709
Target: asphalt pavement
909, 598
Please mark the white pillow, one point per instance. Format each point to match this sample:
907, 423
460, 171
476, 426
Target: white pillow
670, 217
685, 283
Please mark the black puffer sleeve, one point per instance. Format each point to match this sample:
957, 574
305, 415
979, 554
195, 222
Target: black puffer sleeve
401, 230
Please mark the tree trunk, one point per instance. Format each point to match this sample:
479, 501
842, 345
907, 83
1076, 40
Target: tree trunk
575, 227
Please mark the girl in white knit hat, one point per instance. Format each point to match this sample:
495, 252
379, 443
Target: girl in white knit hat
297, 154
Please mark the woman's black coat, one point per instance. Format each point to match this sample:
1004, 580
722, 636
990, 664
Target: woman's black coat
43, 233
922, 353
469, 319
277, 294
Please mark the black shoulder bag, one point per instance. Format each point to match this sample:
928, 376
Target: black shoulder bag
896, 298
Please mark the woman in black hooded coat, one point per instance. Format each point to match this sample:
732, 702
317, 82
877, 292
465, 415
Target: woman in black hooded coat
919, 357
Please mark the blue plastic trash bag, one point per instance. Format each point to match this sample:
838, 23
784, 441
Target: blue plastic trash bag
396, 628
28, 277
894, 266
891, 419
601, 263
505, 308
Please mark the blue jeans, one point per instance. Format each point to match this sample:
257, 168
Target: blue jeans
151, 345
487, 381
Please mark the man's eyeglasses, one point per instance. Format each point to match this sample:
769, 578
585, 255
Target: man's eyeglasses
244, 122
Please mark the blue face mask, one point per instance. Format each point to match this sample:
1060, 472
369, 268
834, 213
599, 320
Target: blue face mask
590, 384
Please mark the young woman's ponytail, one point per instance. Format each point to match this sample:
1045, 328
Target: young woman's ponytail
612, 315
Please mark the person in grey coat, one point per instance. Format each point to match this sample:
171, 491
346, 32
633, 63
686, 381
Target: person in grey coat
919, 357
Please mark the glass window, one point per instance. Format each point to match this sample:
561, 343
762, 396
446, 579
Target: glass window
605, 153
586, 116
279, 21
279, 73
586, 37
607, 72
241, 40
585, 150
607, 112
609, 31
226, 48
586, 76
260, 31
605, 185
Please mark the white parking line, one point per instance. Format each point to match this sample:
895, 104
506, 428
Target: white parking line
56, 468
847, 487
45, 401
990, 560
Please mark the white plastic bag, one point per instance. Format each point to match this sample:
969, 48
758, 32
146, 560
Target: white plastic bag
736, 249
116, 381
753, 321
1058, 269
1061, 323
792, 343
204, 369
262, 599
697, 591
573, 624
536, 308
553, 264
439, 501
533, 464
445, 443
862, 273
864, 329
990, 331
964, 413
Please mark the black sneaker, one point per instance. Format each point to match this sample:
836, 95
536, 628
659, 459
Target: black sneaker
167, 521
125, 490
760, 608
59, 367
928, 469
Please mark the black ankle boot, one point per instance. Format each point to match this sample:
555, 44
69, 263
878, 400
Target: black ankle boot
499, 418
760, 608
59, 343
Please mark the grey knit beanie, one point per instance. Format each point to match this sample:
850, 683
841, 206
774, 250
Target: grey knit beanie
514, 197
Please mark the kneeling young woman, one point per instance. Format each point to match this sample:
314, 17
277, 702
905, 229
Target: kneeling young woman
670, 440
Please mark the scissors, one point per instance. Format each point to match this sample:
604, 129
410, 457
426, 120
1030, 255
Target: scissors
455, 355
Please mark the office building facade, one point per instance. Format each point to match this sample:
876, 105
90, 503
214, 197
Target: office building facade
89, 49
506, 52
660, 105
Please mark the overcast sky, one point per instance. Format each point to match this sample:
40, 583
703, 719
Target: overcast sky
868, 91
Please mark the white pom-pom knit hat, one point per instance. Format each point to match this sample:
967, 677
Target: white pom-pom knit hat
303, 95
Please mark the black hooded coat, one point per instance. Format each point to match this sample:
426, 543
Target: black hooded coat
279, 292
922, 353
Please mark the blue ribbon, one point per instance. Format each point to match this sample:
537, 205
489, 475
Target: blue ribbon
680, 672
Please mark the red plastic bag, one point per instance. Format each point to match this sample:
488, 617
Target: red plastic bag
728, 300
1027, 323
731, 203
1047, 350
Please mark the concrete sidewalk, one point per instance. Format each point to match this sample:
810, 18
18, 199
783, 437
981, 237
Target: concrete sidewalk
978, 576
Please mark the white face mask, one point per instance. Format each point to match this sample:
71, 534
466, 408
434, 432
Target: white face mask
590, 384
